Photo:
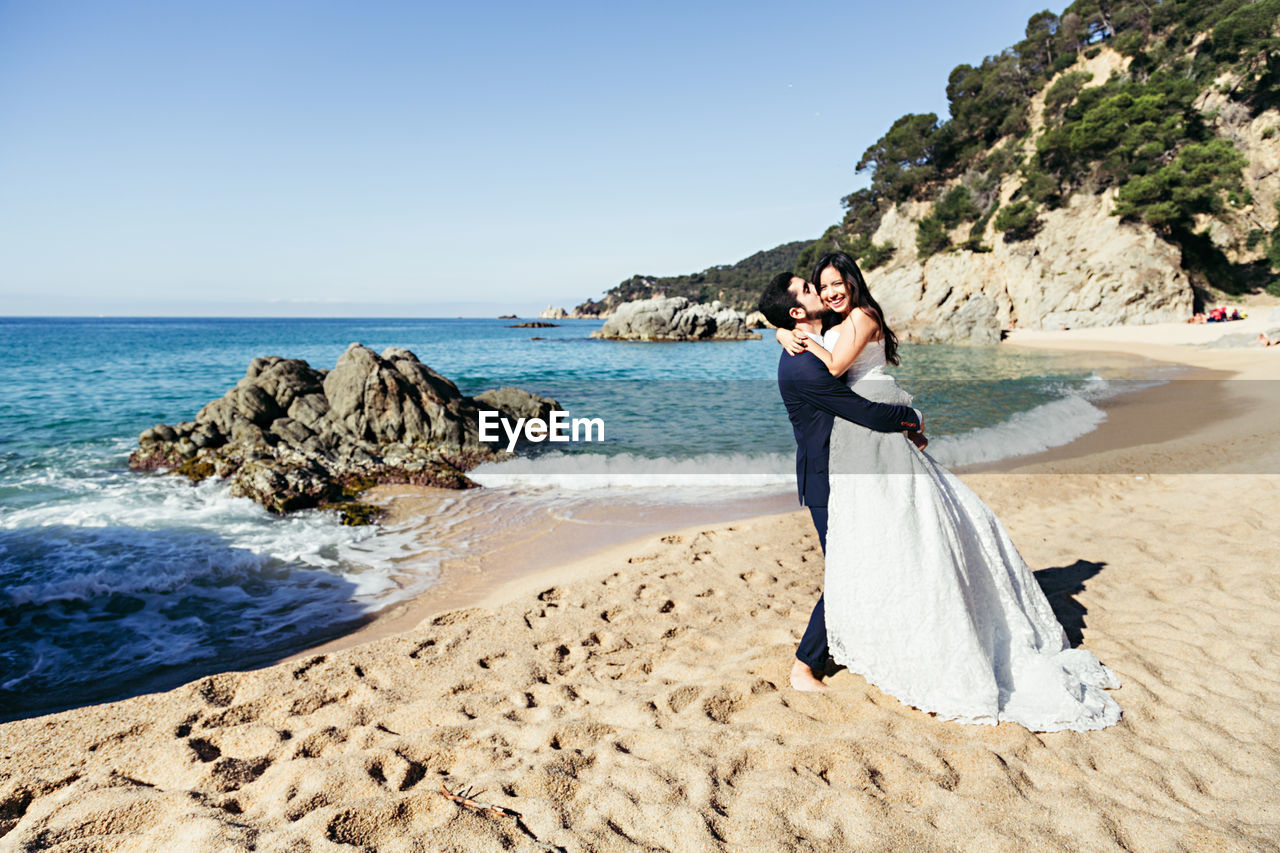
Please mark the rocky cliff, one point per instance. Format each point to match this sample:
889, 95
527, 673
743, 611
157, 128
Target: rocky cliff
290, 436
1078, 261
1083, 266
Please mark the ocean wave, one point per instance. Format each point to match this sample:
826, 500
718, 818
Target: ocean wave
124, 502
1048, 425
91, 609
119, 578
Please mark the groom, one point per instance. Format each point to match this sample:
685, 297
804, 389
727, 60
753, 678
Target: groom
814, 398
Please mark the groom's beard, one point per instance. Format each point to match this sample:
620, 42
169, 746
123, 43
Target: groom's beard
815, 318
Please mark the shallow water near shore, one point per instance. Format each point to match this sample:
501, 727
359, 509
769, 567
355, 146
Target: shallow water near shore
114, 582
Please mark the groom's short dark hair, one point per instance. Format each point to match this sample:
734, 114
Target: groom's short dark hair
777, 301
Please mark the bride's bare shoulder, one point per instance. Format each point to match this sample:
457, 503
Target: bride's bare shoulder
863, 322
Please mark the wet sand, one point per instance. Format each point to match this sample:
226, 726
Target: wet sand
537, 542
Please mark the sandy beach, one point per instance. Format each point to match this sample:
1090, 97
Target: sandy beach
636, 698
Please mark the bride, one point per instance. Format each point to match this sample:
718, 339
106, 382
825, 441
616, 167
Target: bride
926, 596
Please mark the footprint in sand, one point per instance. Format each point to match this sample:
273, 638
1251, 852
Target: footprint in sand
425, 648
368, 828
205, 751
682, 698
218, 690
722, 706
236, 715
307, 665
315, 744
232, 774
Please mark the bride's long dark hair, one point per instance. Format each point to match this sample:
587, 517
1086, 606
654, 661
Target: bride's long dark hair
859, 296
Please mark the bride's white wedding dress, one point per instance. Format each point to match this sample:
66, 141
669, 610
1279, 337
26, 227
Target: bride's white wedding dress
926, 596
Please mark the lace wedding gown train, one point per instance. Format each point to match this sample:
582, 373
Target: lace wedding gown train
926, 596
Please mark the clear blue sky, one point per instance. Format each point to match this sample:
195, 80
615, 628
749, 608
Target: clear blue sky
294, 158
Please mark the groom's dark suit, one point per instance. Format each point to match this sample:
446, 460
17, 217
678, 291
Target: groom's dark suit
814, 399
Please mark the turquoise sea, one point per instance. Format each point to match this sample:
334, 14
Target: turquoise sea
113, 582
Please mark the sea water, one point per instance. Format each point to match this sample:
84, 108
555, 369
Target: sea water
114, 582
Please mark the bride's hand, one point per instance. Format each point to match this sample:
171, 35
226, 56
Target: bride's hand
791, 342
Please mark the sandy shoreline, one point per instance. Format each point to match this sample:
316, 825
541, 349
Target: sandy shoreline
521, 554
636, 698
1185, 408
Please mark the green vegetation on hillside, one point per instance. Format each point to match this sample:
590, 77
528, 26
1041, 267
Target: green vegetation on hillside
736, 285
1141, 131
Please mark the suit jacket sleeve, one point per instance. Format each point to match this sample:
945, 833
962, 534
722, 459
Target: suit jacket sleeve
820, 389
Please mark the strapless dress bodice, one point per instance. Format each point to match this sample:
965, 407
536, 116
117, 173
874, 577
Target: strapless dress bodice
869, 364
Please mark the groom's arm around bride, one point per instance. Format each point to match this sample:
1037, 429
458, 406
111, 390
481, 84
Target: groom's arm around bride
814, 398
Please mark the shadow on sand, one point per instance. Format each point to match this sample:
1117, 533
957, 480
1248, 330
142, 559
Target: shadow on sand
1060, 585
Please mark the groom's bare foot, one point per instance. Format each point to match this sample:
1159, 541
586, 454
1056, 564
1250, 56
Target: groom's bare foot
803, 679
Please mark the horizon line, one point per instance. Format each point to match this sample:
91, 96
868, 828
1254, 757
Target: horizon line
277, 317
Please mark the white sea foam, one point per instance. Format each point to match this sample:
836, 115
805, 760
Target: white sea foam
180, 528
1050, 424
123, 576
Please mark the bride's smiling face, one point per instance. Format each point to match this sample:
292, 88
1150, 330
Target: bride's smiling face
833, 290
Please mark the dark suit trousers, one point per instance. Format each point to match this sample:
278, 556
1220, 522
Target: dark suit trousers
813, 645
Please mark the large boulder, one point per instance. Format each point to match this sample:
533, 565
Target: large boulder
516, 403
290, 436
675, 318
977, 321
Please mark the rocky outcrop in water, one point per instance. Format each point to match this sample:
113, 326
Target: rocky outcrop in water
289, 436
675, 319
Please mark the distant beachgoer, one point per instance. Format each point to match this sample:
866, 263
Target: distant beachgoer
1197, 318
1235, 314
1264, 341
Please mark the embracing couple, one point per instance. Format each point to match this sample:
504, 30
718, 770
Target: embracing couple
924, 594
